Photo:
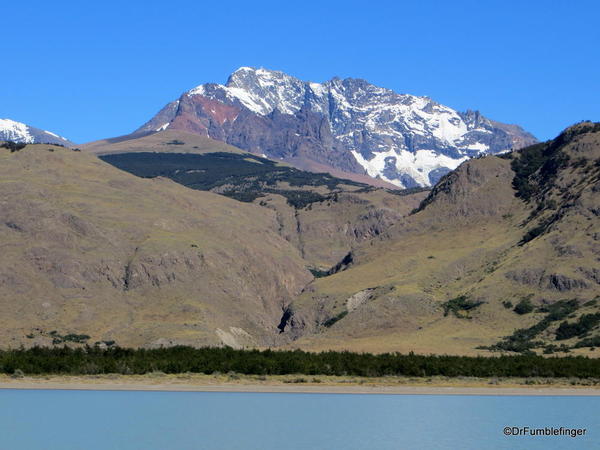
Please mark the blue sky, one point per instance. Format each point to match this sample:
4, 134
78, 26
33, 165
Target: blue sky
90, 70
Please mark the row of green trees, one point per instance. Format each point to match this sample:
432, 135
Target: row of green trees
95, 360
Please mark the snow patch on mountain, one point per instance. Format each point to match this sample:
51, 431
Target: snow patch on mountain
406, 168
15, 131
260, 90
11, 130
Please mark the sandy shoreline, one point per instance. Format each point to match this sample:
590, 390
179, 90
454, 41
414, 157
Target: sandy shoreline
329, 385
396, 390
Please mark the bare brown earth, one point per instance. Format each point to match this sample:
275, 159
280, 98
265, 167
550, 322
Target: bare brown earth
309, 384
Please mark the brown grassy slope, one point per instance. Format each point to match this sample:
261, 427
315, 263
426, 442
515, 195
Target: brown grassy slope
326, 231
464, 242
163, 142
89, 249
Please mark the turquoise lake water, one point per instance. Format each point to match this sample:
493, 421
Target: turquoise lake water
194, 420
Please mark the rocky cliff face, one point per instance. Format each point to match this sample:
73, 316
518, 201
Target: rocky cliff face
22, 133
347, 124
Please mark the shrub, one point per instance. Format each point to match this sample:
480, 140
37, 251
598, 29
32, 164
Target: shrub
317, 273
458, 304
522, 339
560, 309
296, 380
335, 319
529, 160
13, 146
589, 342
536, 231
524, 306
585, 323
78, 338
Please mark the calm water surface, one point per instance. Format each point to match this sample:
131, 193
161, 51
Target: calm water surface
193, 420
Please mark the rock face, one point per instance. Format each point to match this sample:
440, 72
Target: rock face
348, 124
22, 133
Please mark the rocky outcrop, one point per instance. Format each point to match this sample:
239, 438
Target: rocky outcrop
479, 187
540, 279
563, 283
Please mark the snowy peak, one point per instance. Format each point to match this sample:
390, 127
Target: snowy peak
259, 90
15, 131
11, 130
347, 124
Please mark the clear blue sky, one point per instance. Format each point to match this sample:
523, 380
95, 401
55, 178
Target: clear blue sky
89, 70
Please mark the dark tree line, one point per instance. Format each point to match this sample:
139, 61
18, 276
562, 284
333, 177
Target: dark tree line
95, 360
245, 176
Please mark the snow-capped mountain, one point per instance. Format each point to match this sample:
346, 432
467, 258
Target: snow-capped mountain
22, 133
346, 124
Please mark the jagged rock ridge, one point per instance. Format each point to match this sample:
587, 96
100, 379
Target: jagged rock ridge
347, 124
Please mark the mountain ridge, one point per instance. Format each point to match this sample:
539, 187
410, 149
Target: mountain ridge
346, 124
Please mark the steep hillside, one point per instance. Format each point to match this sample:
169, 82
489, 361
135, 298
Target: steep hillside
323, 216
502, 255
92, 254
348, 125
25, 134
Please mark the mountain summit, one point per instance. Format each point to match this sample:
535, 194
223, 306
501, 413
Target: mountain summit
349, 125
11, 130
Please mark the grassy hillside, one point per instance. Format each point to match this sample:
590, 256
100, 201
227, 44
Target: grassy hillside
168, 141
323, 216
502, 256
449, 277
93, 254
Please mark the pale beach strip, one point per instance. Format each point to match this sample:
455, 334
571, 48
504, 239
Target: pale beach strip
302, 389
